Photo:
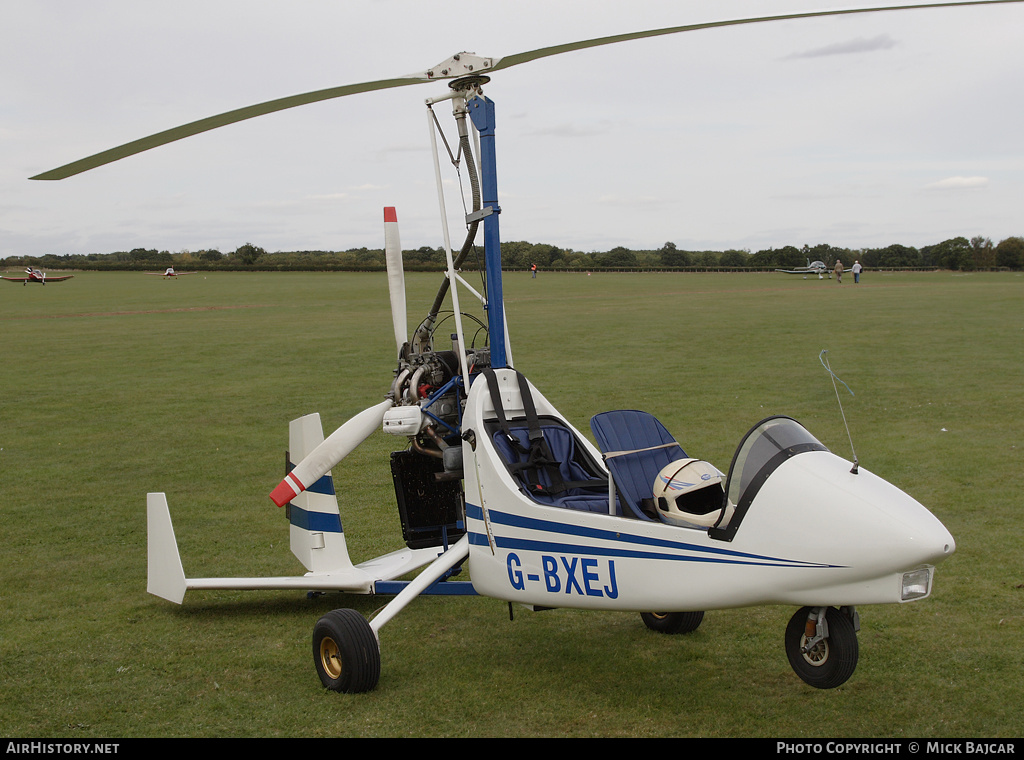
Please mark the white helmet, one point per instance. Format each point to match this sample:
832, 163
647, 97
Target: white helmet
690, 492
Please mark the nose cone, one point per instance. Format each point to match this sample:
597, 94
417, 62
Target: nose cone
929, 538
914, 534
857, 520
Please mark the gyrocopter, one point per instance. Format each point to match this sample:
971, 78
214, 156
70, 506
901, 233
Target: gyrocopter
493, 480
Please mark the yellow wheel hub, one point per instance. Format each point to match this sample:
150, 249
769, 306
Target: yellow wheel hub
330, 657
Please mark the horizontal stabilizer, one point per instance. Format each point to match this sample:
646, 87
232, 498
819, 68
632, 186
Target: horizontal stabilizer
167, 578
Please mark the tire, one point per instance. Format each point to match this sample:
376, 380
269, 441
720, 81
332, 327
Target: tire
672, 622
831, 662
346, 652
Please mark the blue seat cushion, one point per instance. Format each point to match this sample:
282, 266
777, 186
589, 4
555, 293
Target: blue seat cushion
588, 496
651, 448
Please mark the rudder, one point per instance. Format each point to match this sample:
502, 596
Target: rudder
317, 538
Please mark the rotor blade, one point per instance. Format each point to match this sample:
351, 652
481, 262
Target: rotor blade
458, 65
533, 55
396, 276
222, 120
336, 447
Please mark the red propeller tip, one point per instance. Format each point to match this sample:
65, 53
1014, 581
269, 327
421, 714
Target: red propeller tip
390, 215
286, 490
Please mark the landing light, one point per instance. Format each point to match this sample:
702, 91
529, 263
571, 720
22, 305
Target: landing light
917, 584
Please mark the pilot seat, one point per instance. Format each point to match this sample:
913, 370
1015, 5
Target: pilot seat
652, 474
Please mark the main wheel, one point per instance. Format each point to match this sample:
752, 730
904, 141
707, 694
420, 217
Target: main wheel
830, 662
672, 622
346, 652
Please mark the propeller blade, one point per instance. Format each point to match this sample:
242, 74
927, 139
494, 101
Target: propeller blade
336, 447
456, 66
396, 276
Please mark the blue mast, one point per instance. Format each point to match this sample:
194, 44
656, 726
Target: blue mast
481, 111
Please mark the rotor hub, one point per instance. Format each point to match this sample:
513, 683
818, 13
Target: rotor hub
466, 84
459, 65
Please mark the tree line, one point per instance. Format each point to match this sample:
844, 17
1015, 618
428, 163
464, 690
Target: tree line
959, 253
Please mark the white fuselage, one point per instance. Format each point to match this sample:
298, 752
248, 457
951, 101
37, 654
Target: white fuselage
815, 534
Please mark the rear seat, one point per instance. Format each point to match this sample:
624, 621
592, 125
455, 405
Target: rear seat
543, 455
555, 475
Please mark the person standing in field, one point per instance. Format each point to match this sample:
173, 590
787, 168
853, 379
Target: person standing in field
838, 270
533, 270
856, 268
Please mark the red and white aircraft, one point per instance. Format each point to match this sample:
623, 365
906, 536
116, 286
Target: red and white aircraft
171, 273
36, 275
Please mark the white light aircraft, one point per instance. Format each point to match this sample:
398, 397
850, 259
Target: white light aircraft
813, 267
169, 272
493, 479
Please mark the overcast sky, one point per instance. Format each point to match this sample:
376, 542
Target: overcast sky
858, 131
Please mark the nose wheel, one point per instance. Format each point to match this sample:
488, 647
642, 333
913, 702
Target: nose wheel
821, 644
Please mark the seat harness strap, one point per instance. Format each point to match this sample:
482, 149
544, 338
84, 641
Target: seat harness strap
537, 453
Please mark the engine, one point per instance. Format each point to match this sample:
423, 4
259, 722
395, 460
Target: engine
429, 399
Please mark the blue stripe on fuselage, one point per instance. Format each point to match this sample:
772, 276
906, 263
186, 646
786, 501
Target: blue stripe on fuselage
627, 545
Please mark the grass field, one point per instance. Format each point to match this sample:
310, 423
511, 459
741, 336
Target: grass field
118, 384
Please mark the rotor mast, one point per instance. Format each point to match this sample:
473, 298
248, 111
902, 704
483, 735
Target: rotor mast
481, 112
469, 100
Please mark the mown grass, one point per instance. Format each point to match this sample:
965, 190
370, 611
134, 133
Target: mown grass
118, 384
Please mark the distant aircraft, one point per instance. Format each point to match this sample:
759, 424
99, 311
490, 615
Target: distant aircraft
36, 275
813, 267
171, 273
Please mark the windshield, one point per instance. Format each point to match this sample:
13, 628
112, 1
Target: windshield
761, 446
768, 444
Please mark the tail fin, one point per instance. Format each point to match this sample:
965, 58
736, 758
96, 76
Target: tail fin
317, 538
166, 578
